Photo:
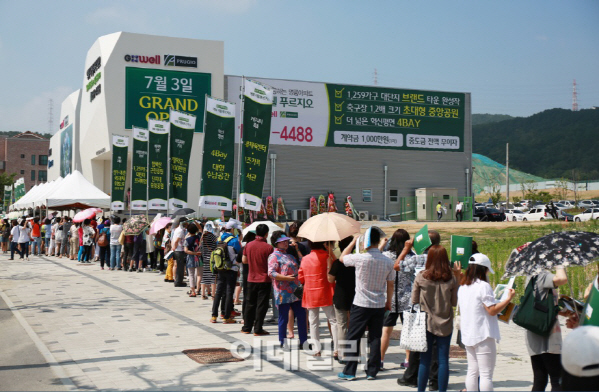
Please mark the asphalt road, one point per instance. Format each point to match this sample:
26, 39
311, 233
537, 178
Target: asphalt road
22, 366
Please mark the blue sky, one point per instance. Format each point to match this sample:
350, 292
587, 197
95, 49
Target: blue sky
515, 57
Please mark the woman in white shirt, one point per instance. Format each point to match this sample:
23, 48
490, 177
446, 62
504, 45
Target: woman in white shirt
24, 238
479, 324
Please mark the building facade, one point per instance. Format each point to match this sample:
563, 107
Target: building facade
26, 155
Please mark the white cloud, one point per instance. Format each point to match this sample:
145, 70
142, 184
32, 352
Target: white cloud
33, 114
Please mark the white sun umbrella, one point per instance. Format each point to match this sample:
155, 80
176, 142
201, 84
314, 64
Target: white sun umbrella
329, 226
272, 227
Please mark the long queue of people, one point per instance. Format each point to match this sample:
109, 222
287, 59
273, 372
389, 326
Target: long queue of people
360, 293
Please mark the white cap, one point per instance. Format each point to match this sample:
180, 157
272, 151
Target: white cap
579, 352
230, 225
480, 259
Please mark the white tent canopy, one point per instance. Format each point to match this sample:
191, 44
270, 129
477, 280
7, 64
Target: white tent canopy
41, 197
75, 191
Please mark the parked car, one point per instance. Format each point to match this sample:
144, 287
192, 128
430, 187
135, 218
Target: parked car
588, 214
565, 216
567, 203
489, 214
514, 215
521, 206
586, 204
536, 214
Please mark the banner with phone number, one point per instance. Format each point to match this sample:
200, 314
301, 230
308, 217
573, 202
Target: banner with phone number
331, 115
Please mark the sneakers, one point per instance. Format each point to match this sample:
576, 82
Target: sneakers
370, 378
261, 333
347, 377
229, 321
213, 320
235, 313
404, 365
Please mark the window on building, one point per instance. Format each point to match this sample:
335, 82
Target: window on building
367, 195
22, 156
50, 152
22, 171
33, 159
393, 196
43, 160
42, 175
33, 175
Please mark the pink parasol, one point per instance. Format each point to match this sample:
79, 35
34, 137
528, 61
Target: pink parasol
159, 224
88, 213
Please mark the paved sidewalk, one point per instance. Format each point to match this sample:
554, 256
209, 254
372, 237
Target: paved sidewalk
122, 330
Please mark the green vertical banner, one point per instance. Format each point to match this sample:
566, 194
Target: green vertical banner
120, 149
157, 166
139, 169
590, 313
182, 128
7, 196
218, 155
257, 108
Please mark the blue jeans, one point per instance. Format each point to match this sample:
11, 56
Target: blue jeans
300, 314
115, 256
36, 243
425, 361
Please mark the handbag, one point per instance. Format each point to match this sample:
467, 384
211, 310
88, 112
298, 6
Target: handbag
299, 291
535, 314
413, 332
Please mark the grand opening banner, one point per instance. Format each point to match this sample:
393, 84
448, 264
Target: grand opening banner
218, 155
256, 138
139, 166
182, 129
120, 148
334, 115
157, 166
152, 93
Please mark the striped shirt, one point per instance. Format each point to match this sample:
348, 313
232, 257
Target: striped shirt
373, 270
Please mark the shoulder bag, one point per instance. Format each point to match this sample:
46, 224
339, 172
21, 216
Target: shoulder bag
535, 314
413, 331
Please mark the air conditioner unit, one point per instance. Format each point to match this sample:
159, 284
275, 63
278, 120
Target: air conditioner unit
376, 217
300, 214
363, 215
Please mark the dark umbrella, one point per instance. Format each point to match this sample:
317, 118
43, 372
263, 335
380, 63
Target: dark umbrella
135, 225
183, 211
565, 248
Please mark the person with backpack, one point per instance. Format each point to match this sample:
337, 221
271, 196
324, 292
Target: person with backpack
223, 263
192, 250
103, 241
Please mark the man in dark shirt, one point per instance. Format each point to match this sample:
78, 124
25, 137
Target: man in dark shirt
345, 289
255, 256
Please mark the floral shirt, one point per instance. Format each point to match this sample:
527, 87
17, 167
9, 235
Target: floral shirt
403, 280
283, 263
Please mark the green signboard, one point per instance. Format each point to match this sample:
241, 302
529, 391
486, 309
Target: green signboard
120, 148
152, 93
388, 118
66, 151
256, 139
182, 129
139, 169
218, 155
157, 166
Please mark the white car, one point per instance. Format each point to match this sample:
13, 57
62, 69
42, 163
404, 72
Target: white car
586, 204
536, 214
567, 203
514, 215
591, 213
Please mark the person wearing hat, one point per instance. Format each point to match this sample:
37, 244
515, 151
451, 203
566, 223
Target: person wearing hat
283, 270
226, 279
479, 324
580, 359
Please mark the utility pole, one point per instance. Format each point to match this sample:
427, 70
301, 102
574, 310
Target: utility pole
507, 176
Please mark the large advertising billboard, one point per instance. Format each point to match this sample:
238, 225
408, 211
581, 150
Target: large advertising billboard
333, 115
152, 93
66, 151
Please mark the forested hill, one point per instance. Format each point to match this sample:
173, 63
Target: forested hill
549, 144
489, 118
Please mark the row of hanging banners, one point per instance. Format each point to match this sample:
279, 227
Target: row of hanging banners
161, 153
12, 193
